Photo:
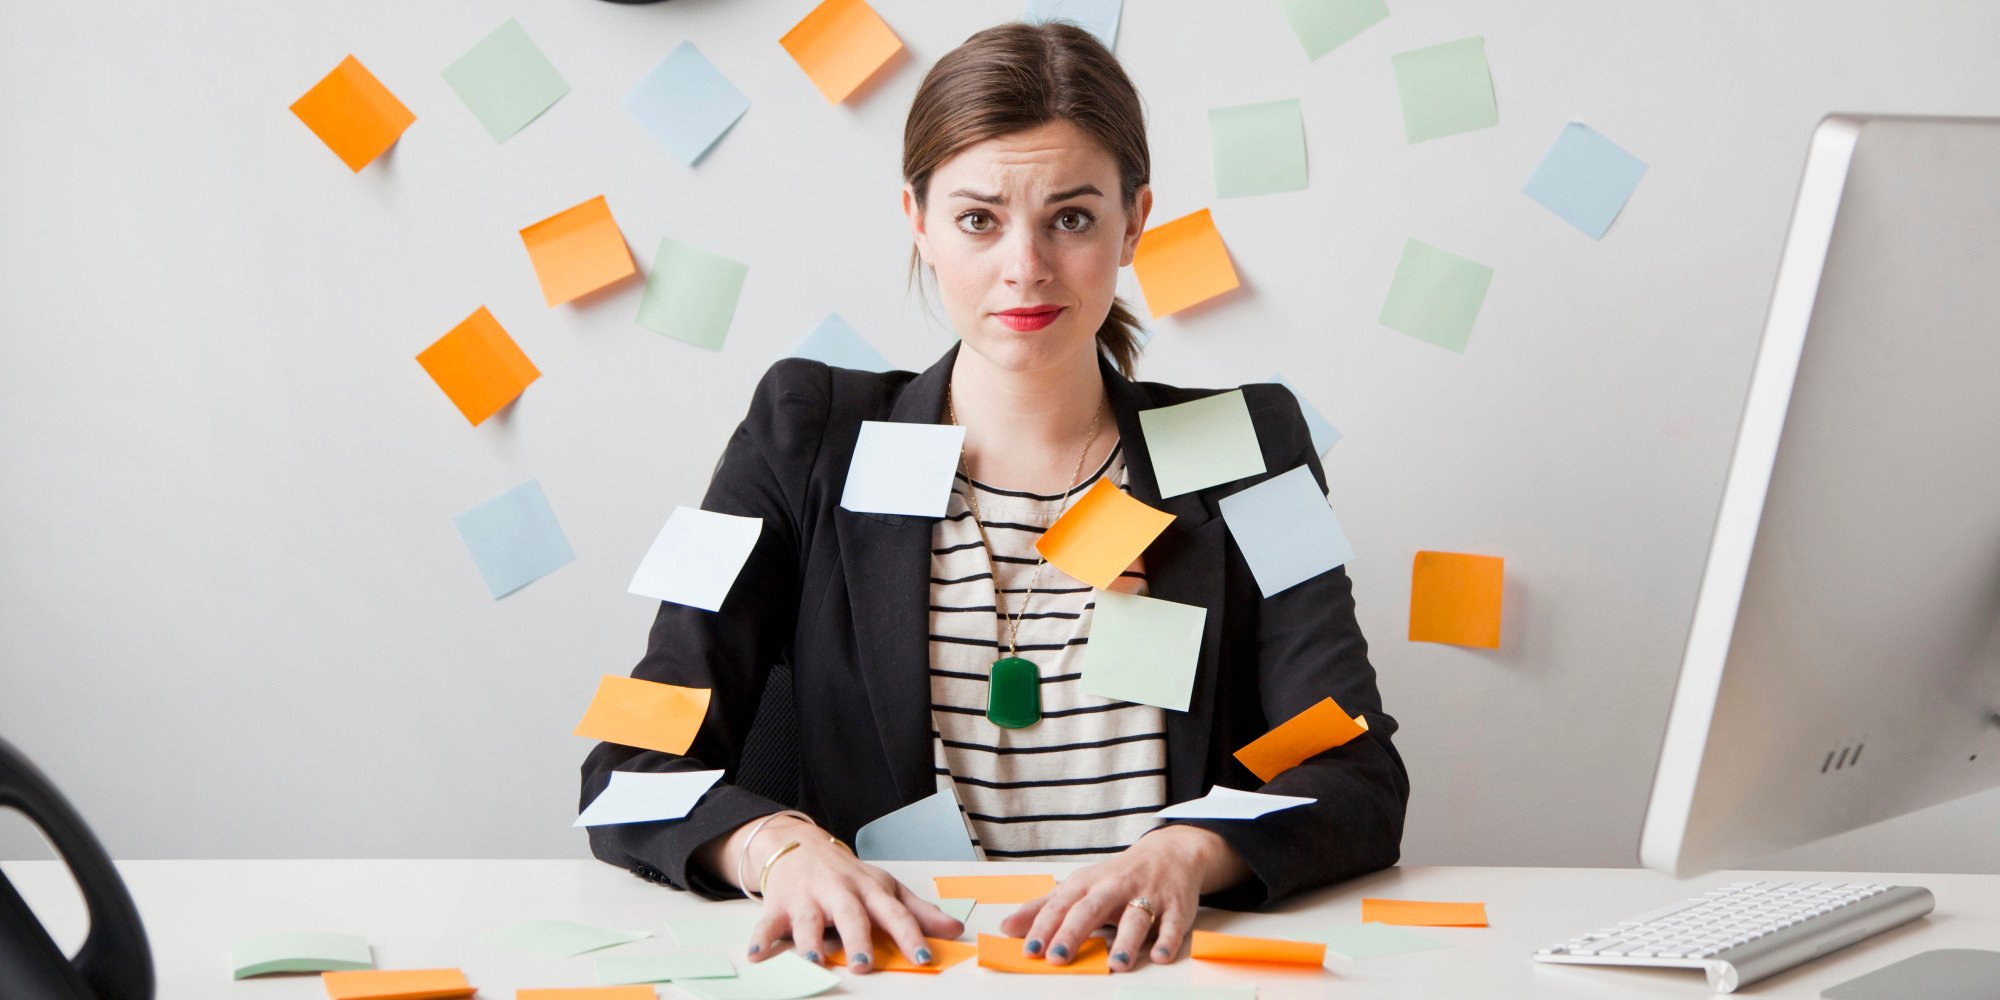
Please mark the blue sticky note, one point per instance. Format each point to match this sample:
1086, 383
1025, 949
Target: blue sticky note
1324, 434
836, 344
686, 103
1286, 530
1585, 178
929, 829
514, 539
1099, 17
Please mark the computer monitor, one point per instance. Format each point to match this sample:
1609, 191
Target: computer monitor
1843, 662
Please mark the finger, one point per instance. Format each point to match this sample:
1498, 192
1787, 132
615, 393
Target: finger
850, 921
933, 921
894, 919
1054, 907
765, 934
1085, 916
1130, 941
1173, 928
1017, 923
809, 933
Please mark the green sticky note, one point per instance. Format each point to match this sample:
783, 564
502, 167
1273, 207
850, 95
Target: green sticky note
1187, 993
1373, 941
691, 294
784, 976
1436, 295
628, 970
1325, 25
1142, 649
1446, 89
268, 953
713, 932
558, 937
957, 909
1258, 148
506, 81
1201, 443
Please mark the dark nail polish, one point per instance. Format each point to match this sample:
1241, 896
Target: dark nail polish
812, 956
1163, 954
1122, 958
1033, 947
1060, 951
860, 960
923, 956
755, 948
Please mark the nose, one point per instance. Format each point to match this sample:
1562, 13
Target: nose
1026, 262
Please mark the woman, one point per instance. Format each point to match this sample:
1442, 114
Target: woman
1026, 167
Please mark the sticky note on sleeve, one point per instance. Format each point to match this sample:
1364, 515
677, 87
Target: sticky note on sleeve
350, 111
646, 714
1316, 730
696, 557
479, 367
1101, 534
840, 45
1455, 598
1182, 263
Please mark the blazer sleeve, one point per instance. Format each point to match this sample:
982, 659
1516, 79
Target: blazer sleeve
1310, 647
763, 473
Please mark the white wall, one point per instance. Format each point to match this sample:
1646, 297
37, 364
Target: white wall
236, 620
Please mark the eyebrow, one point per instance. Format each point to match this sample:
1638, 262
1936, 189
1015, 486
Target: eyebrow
994, 199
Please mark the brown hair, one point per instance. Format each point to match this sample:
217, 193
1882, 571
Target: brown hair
1017, 76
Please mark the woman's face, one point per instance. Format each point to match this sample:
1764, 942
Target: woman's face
1026, 233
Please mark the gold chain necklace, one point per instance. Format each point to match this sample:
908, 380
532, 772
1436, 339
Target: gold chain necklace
1014, 685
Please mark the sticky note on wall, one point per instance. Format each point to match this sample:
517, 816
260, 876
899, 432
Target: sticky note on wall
840, 45
506, 81
1436, 295
1455, 598
1182, 263
350, 111
1445, 89
1320, 728
478, 366
577, 251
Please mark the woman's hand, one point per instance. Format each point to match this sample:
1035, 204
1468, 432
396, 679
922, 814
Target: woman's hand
820, 886
1170, 867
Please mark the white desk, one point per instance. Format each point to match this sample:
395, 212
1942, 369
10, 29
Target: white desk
423, 914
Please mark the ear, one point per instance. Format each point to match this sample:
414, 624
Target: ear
1135, 223
916, 217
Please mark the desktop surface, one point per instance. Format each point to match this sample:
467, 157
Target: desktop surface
425, 913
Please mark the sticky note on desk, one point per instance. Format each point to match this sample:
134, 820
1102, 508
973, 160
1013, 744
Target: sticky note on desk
1358, 941
784, 976
1435, 295
1099, 17
929, 829
686, 104
1319, 728
350, 111
1182, 263
514, 539
396, 984
691, 294
1455, 598
1445, 89
1143, 650
1585, 178
1325, 25
994, 888
886, 957
1419, 913
1257, 148
1223, 802
1101, 534
1213, 947
840, 44
633, 712
834, 342
900, 468
561, 938
1201, 443
1008, 954
299, 952
623, 970
696, 557
647, 796
577, 251
478, 366
588, 993
505, 80
1286, 530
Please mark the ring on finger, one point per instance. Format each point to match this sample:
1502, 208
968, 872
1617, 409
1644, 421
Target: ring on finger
1144, 904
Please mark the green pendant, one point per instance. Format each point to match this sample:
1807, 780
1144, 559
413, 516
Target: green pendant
1014, 693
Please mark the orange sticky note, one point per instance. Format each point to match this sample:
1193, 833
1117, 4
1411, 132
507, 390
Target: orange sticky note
578, 251
395, 984
353, 114
840, 45
1005, 954
1455, 598
478, 366
640, 713
1181, 263
1320, 728
1213, 947
889, 958
1417, 913
641, 992
1101, 534
994, 888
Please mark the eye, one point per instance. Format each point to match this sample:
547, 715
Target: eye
976, 222
1074, 220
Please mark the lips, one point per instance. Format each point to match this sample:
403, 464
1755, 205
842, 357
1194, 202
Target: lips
1029, 317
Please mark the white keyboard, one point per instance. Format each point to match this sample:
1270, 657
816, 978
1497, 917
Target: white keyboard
1741, 933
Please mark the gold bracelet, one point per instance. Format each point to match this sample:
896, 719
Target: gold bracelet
765, 875
842, 844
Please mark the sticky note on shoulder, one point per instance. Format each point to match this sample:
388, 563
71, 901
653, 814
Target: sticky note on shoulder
1455, 599
901, 468
646, 714
1182, 263
1286, 530
1314, 731
350, 111
840, 44
479, 367
1201, 443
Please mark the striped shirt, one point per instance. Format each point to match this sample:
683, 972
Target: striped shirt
1084, 782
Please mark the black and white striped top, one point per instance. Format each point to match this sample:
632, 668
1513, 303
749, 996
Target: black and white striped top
1083, 782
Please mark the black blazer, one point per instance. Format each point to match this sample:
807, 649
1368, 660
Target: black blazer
842, 598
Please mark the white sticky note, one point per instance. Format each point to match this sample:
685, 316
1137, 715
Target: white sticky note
903, 468
696, 557
1286, 530
1232, 803
929, 829
642, 797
